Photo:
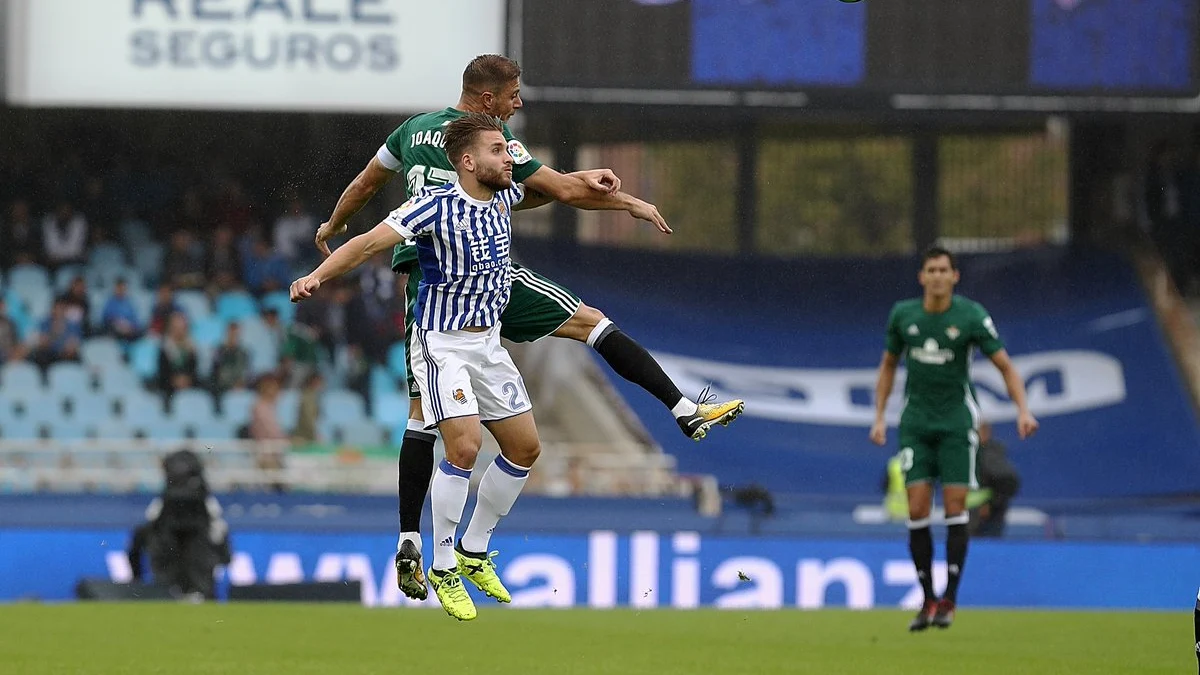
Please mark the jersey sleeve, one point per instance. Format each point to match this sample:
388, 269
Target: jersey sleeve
516, 194
414, 217
524, 164
894, 341
984, 333
390, 153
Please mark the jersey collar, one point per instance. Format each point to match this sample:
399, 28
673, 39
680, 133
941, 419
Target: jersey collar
470, 200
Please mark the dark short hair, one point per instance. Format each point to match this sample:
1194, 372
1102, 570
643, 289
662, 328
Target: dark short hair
937, 252
489, 72
461, 133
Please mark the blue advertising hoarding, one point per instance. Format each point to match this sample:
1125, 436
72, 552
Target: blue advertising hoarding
650, 569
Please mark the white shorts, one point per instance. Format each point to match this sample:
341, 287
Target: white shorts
461, 373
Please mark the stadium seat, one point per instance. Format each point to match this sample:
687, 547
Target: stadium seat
20, 376
148, 259
64, 275
361, 433
390, 409
140, 407
195, 304
282, 303
236, 305
66, 378
113, 429
42, 407
106, 254
204, 361
342, 405
235, 406
288, 408
193, 406
20, 429
162, 429
143, 357
101, 354
208, 331
36, 301
395, 360
143, 303
264, 357
215, 430
90, 407
103, 278
64, 430
24, 279
119, 380
382, 382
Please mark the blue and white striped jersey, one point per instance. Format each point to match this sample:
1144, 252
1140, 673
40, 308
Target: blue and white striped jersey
463, 250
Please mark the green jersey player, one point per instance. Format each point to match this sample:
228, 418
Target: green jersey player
936, 335
538, 307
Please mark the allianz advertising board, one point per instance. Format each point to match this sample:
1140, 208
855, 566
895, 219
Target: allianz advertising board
318, 55
649, 569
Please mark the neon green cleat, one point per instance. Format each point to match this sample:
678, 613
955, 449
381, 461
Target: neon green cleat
709, 413
481, 571
453, 596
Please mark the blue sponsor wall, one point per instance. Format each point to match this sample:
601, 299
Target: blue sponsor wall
649, 569
800, 340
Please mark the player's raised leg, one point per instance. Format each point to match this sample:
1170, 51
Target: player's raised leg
631, 361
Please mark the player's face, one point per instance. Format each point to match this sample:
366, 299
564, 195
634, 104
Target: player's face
938, 277
506, 102
493, 164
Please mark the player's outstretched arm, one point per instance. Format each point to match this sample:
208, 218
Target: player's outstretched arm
354, 253
356, 195
1027, 424
599, 180
574, 191
883, 389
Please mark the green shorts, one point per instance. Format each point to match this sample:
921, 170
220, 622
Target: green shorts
947, 456
536, 309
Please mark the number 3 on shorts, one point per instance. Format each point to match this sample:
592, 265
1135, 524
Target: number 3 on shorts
906, 459
514, 396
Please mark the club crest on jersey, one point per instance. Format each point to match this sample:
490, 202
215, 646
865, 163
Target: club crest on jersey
501, 208
952, 332
459, 396
518, 152
913, 330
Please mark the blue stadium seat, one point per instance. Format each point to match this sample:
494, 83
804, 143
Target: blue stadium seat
119, 380
195, 304
288, 408
64, 430
24, 278
215, 430
342, 405
361, 433
390, 409
148, 259
204, 361
106, 254
193, 406
382, 382
20, 376
264, 356
113, 429
236, 305
104, 277
101, 354
235, 406
64, 275
66, 378
395, 360
36, 301
89, 407
143, 357
282, 303
143, 302
42, 407
20, 429
162, 429
209, 331
140, 407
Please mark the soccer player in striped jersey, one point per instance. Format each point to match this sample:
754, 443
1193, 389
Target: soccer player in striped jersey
539, 307
936, 335
462, 231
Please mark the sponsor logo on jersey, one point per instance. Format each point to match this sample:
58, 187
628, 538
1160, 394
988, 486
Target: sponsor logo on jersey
913, 330
459, 396
518, 152
931, 353
953, 332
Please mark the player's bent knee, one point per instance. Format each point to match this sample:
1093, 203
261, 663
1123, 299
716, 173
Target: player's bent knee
524, 455
581, 324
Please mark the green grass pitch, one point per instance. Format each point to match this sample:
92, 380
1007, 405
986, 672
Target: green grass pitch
294, 639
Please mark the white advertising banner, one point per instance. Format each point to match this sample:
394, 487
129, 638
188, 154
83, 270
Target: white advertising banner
313, 55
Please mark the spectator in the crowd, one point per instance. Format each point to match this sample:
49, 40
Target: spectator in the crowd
119, 318
177, 360
265, 427
301, 352
369, 312
58, 337
11, 348
224, 262
164, 306
294, 232
64, 236
22, 239
76, 300
231, 363
310, 410
263, 270
184, 265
